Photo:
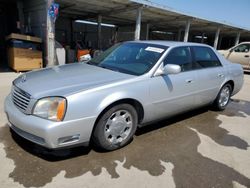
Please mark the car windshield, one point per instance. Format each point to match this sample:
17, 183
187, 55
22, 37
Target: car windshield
130, 58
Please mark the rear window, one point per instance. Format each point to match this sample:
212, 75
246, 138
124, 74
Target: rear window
205, 57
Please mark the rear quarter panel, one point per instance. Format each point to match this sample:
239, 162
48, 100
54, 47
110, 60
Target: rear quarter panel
233, 72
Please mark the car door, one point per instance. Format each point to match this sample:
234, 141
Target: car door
210, 74
240, 54
174, 93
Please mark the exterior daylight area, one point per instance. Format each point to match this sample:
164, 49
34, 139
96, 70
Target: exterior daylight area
134, 93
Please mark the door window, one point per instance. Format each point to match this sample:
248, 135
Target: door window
242, 48
205, 57
180, 56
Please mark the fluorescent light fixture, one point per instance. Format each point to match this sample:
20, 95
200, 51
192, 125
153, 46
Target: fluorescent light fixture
200, 37
163, 32
94, 23
169, 33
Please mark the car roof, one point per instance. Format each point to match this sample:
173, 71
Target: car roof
168, 43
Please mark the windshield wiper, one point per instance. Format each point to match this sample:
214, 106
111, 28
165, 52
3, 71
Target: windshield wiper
91, 63
109, 68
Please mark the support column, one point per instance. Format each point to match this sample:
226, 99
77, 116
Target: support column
138, 24
147, 31
50, 38
216, 39
116, 34
237, 39
219, 43
99, 32
72, 31
21, 16
187, 31
202, 37
179, 35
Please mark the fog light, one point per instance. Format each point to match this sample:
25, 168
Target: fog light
68, 139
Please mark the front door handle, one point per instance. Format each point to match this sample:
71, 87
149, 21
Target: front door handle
189, 81
246, 56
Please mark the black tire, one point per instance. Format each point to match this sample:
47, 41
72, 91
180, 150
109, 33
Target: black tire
100, 132
218, 105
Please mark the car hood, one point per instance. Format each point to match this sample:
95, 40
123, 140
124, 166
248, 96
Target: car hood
66, 79
223, 52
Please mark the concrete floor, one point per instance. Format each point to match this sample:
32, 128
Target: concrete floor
198, 149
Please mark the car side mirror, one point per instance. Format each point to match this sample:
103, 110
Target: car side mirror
168, 69
172, 69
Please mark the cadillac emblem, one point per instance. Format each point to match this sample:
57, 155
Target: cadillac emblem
23, 78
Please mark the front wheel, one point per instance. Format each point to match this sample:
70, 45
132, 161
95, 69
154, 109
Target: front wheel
223, 97
116, 127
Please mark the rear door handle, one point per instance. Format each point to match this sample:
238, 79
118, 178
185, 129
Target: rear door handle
189, 81
220, 75
246, 56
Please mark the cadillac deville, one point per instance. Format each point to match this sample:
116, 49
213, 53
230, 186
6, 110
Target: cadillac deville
129, 85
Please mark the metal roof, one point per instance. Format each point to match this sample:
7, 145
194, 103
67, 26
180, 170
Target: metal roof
166, 8
123, 12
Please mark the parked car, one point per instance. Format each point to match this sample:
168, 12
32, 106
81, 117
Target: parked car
239, 54
128, 86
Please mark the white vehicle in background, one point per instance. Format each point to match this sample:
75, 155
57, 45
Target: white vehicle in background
238, 54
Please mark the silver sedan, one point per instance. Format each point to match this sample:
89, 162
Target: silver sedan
128, 86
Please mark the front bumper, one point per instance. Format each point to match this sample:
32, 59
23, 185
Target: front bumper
47, 133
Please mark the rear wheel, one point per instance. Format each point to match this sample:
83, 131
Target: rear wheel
223, 97
116, 127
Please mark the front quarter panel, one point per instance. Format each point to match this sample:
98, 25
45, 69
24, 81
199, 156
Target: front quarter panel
92, 102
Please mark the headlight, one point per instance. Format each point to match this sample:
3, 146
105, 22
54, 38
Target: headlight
52, 108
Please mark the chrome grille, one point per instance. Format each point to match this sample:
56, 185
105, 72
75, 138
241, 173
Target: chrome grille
20, 98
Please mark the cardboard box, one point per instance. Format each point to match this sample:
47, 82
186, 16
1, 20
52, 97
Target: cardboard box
24, 59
